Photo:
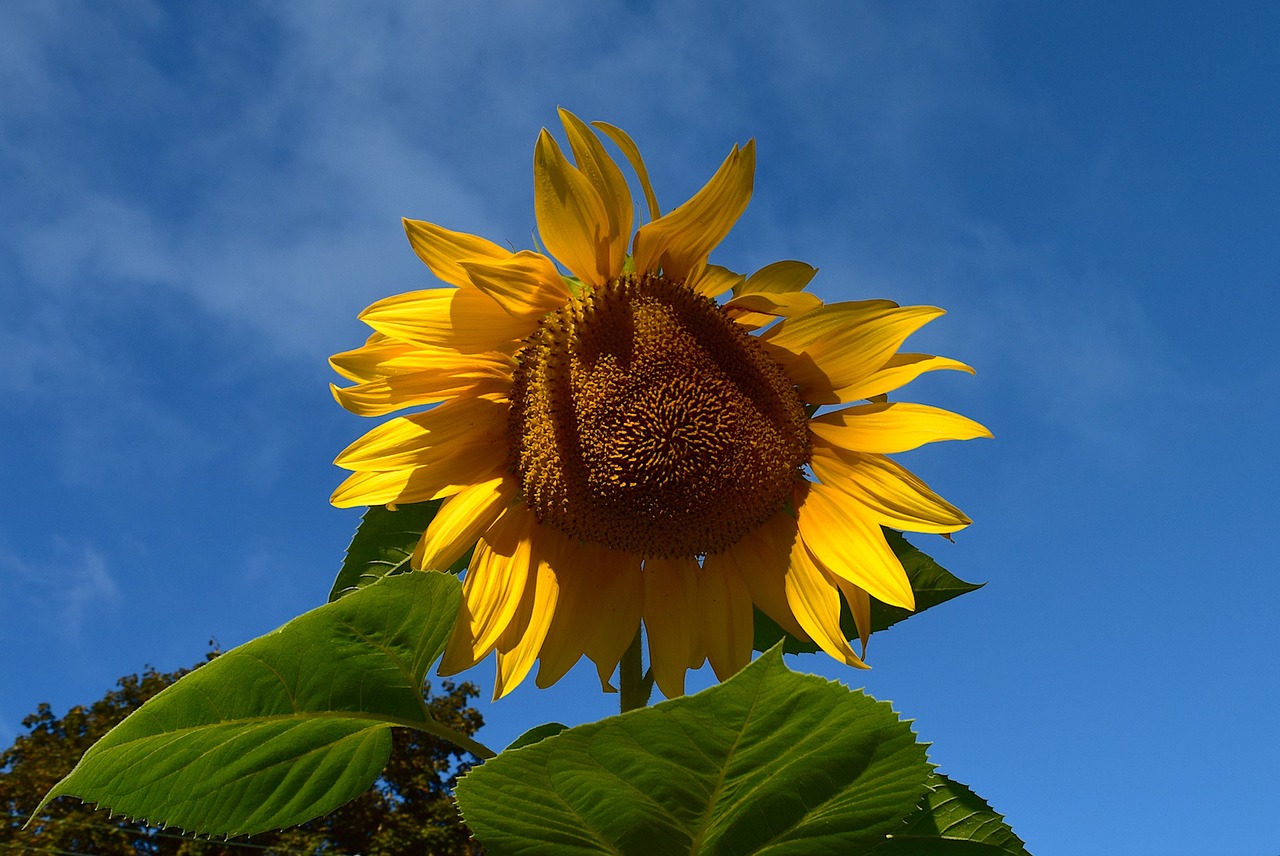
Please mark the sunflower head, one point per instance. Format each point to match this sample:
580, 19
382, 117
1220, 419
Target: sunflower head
628, 440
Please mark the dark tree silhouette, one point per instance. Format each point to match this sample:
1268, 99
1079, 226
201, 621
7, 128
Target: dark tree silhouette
408, 811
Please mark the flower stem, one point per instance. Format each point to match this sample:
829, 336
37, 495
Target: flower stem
635, 686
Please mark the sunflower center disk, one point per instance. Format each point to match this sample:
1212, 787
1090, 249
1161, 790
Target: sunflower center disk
644, 419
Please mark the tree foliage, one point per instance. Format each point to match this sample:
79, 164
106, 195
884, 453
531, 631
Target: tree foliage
409, 810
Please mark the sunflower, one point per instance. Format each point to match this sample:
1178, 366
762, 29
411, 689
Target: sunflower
638, 442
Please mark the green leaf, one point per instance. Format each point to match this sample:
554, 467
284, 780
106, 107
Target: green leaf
953, 821
533, 735
284, 728
383, 545
932, 584
768, 762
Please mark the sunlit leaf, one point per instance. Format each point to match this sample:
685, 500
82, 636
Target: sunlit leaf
284, 728
768, 762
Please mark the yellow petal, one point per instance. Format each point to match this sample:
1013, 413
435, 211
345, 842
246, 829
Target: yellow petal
460, 521
608, 181
816, 604
381, 358
572, 219
837, 346
492, 589
779, 278
620, 609
680, 241
900, 370
624, 142
724, 606
800, 332
464, 319
516, 656
670, 619
760, 558
527, 285
442, 249
380, 397
773, 304
424, 438
845, 541
474, 464
894, 495
889, 427
859, 605
577, 614
715, 280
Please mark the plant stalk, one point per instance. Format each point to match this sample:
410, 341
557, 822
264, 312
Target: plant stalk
634, 685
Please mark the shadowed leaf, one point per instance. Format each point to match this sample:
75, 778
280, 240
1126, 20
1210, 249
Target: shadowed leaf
768, 762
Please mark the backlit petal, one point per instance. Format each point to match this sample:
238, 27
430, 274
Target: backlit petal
517, 655
779, 278
527, 285
670, 619
889, 427
571, 216
607, 179
492, 589
816, 604
624, 142
828, 349
464, 319
889, 491
423, 438
725, 615
460, 521
848, 544
900, 370
680, 241
441, 249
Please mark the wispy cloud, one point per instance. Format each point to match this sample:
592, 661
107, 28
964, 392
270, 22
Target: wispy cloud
63, 588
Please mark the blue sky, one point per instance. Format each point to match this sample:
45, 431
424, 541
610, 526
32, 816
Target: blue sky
198, 199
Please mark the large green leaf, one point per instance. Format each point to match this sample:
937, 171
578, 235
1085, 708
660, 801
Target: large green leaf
953, 821
932, 584
768, 762
383, 545
284, 728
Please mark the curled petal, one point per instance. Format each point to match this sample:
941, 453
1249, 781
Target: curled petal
624, 142
572, 218
607, 179
816, 604
441, 249
900, 370
680, 241
527, 285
